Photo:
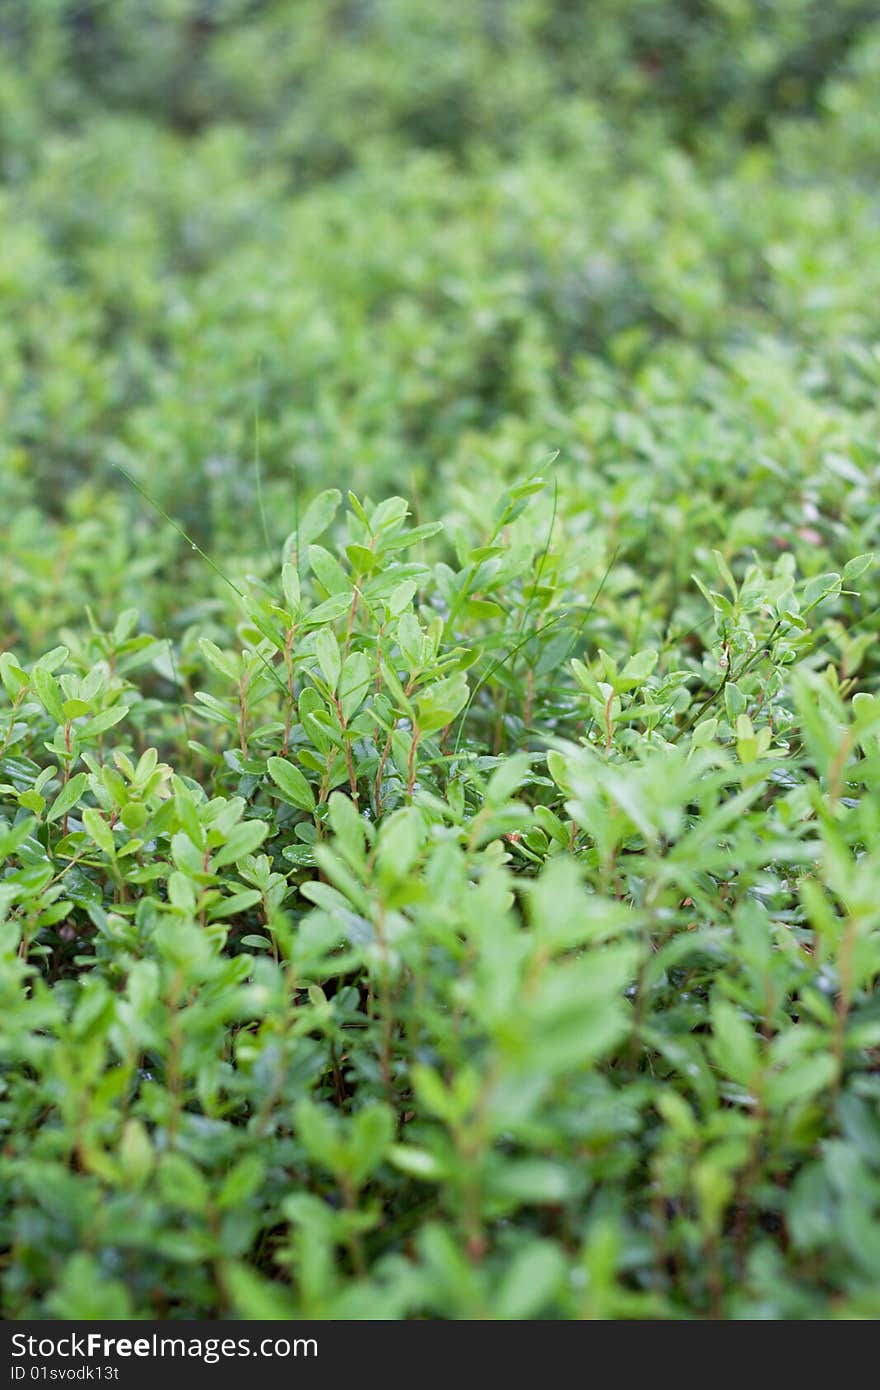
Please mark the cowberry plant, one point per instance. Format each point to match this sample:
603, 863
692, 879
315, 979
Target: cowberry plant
439, 466
434, 976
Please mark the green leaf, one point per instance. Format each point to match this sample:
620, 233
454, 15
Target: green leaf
399, 842
242, 840
354, 682
256, 1299
136, 1153
401, 597
317, 517
413, 537
733, 1045
347, 824
292, 783
362, 560
409, 639
857, 566
242, 1182
134, 816
507, 778
75, 709
639, 667
372, 1135
531, 1280
49, 693
225, 662
327, 655
439, 704
329, 573
68, 796
13, 676
317, 1130
100, 831
431, 1093
291, 587
93, 728
417, 1163
815, 590
182, 1185
800, 1081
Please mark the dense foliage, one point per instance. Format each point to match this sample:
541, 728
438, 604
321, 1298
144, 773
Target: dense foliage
439, 730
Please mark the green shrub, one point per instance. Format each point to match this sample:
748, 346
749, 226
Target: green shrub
347, 1015
461, 900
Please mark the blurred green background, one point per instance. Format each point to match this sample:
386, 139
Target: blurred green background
402, 246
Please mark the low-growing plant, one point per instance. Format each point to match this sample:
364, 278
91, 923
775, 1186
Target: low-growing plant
439, 671
417, 1001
